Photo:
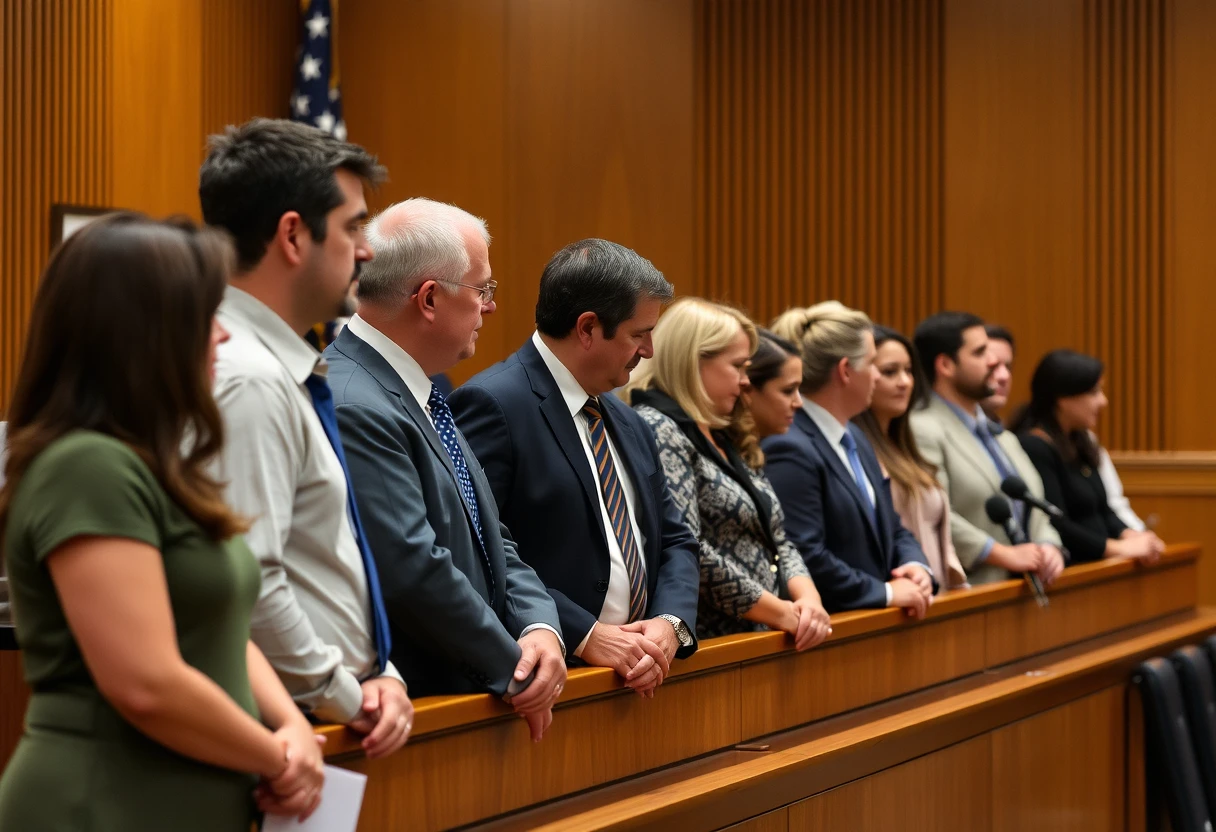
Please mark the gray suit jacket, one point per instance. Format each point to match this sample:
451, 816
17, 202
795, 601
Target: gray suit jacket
455, 611
969, 476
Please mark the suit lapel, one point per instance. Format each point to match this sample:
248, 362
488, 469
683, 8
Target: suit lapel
561, 423
836, 466
363, 354
968, 446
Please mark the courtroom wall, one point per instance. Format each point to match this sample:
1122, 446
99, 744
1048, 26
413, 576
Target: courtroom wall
1044, 163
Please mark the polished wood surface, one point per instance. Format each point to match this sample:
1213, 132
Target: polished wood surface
738, 691
13, 695
948, 789
819, 757
1063, 769
777, 821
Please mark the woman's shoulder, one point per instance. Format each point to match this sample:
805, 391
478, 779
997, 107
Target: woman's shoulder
664, 428
85, 454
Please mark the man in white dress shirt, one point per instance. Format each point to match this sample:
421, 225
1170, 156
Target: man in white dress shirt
292, 198
467, 615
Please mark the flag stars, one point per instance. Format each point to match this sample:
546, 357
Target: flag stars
326, 121
318, 26
301, 105
310, 67
340, 131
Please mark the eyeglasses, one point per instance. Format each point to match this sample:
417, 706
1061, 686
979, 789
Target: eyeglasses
486, 292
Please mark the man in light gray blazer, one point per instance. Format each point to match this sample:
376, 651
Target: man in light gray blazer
973, 455
466, 614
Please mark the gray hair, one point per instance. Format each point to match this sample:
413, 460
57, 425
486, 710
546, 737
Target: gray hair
412, 242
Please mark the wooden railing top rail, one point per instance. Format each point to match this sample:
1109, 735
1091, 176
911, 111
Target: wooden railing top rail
442, 713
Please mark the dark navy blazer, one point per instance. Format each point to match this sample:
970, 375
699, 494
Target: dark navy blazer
519, 426
849, 557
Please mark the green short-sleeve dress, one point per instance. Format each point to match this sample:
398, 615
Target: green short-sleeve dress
79, 765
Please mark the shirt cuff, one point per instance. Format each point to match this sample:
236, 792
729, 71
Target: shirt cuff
890, 593
582, 645
540, 626
987, 550
342, 700
392, 672
923, 566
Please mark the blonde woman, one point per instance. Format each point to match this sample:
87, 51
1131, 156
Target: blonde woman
689, 396
825, 468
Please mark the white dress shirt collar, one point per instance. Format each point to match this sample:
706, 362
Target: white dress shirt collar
415, 378
828, 424
289, 347
573, 392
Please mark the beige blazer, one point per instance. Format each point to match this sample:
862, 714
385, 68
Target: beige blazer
967, 473
913, 510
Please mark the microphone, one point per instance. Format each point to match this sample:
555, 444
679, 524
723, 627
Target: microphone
1015, 487
1000, 512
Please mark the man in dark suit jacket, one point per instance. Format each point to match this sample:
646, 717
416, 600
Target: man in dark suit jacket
838, 508
466, 613
576, 472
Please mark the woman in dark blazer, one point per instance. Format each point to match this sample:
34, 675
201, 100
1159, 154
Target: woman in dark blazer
689, 396
1055, 429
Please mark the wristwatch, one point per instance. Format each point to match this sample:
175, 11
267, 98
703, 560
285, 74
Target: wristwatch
682, 634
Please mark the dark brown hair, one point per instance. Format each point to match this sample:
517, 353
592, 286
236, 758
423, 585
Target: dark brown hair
1061, 374
896, 448
257, 172
118, 343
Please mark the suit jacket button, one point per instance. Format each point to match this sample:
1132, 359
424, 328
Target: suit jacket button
601, 586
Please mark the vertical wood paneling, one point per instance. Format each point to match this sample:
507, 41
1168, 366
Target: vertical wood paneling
819, 155
248, 52
108, 102
1127, 165
54, 140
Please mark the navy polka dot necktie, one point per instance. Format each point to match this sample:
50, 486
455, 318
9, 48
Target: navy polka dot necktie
445, 426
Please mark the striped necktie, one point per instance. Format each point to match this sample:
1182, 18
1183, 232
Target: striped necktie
618, 510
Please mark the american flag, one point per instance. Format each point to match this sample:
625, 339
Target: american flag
316, 98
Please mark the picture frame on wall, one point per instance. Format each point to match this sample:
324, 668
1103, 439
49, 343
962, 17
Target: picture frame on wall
67, 219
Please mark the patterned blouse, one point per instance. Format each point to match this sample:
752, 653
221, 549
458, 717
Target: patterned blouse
738, 553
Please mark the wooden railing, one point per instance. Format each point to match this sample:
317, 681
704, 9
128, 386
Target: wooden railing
470, 759
749, 731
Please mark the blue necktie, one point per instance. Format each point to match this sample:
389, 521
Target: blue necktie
323, 402
859, 475
445, 426
984, 434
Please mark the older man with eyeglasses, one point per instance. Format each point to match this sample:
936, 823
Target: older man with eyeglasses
466, 614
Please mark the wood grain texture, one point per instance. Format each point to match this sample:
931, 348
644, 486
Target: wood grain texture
948, 789
1014, 631
778, 821
819, 157
456, 778
1063, 769
856, 673
13, 696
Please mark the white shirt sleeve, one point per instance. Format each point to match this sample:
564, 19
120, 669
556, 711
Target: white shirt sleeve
1118, 503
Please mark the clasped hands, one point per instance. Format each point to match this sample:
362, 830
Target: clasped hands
640, 652
912, 589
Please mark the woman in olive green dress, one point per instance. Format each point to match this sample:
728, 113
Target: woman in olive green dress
131, 588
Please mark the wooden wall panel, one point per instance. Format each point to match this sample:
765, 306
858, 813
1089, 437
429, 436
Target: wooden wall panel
54, 139
444, 138
1075, 781
1193, 199
948, 789
819, 158
249, 50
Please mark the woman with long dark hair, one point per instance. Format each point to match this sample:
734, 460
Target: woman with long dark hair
1056, 429
920, 500
774, 376
131, 587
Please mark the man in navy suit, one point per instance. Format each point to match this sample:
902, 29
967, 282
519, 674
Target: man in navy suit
466, 613
838, 508
576, 472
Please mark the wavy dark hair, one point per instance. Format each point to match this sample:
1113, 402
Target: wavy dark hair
1060, 374
118, 343
896, 448
770, 356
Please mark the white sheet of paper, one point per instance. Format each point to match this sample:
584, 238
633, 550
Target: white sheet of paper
341, 799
